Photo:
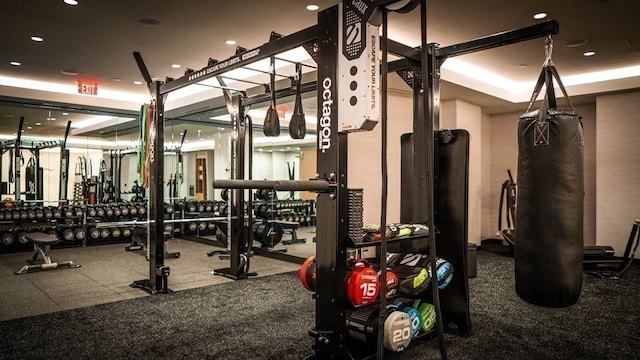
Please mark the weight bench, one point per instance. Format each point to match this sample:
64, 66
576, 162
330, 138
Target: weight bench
290, 227
41, 246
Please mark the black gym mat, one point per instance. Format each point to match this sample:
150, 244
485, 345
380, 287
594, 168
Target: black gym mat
268, 318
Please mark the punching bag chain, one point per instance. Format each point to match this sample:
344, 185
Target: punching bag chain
548, 49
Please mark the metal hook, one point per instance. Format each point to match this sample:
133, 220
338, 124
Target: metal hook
548, 50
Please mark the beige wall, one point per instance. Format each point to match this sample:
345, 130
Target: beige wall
618, 167
459, 114
364, 159
611, 196
308, 169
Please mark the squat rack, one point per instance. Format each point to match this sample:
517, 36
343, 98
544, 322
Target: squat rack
17, 146
330, 331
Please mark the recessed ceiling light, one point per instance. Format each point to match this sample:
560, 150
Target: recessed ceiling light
15, 63
589, 53
575, 43
149, 21
230, 42
116, 79
65, 113
37, 38
176, 66
540, 15
71, 2
38, 124
51, 118
137, 82
312, 7
29, 127
69, 72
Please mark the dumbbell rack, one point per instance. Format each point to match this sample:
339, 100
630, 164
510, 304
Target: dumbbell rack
16, 222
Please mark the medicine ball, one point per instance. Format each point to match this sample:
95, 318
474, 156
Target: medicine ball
362, 283
307, 273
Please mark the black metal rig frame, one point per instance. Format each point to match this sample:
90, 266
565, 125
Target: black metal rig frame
330, 330
18, 146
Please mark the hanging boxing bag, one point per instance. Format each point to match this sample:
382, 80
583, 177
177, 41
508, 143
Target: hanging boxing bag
549, 216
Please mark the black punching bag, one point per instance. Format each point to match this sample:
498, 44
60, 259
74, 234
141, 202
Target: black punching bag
549, 217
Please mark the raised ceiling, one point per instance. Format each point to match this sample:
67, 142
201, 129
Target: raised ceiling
95, 39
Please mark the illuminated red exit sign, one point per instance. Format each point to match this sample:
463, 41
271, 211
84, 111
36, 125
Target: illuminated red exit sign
87, 88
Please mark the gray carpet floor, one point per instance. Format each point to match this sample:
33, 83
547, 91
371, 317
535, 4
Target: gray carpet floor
268, 318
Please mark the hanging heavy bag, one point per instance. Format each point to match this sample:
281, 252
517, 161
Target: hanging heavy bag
297, 125
271, 126
549, 217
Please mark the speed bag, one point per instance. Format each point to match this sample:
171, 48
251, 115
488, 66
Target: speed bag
549, 215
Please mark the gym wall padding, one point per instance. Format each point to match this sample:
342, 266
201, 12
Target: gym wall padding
549, 218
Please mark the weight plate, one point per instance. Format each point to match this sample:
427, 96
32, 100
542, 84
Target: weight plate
8, 238
67, 234
104, 233
94, 233
80, 234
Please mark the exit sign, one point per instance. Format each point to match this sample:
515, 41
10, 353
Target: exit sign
87, 88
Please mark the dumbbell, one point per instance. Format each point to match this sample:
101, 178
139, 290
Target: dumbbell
124, 210
133, 210
108, 211
208, 206
191, 207
100, 211
168, 228
23, 214
77, 211
192, 226
31, 214
79, 233
7, 238
66, 234
104, 233
116, 210
168, 208
21, 235
202, 226
116, 232
126, 232
92, 212
201, 206
94, 233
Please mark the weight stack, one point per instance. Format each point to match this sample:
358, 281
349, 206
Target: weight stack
549, 218
356, 207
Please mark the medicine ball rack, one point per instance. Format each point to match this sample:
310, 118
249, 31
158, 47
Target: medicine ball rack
429, 152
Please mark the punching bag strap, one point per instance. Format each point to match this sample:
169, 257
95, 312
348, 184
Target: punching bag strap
546, 79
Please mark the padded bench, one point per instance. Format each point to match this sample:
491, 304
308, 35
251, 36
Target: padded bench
290, 227
41, 245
